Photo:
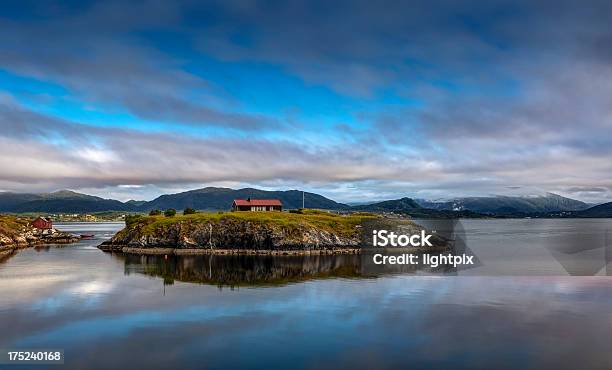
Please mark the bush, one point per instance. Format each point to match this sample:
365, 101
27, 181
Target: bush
189, 211
155, 212
131, 219
170, 212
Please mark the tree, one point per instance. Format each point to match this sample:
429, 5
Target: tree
189, 211
171, 212
155, 212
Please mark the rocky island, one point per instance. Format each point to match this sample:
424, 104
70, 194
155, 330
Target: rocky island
18, 232
241, 232
293, 233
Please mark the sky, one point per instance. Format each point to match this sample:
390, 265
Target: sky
356, 100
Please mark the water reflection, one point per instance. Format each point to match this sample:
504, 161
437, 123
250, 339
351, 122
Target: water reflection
108, 313
250, 270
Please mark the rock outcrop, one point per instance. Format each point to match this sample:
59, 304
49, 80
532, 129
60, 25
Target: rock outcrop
231, 233
18, 233
308, 232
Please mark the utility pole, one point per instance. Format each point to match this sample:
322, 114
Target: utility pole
303, 199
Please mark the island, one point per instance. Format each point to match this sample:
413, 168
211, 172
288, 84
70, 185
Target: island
293, 233
19, 232
300, 232
306, 231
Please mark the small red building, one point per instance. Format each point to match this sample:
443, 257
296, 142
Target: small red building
257, 205
43, 223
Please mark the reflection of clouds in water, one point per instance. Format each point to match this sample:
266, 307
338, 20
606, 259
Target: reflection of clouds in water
415, 311
429, 316
545, 330
84, 301
17, 290
91, 288
47, 294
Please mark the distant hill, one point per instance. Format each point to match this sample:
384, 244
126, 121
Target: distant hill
215, 198
396, 205
136, 203
411, 208
64, 201
221, 199
602, 210
508, 205
210, 198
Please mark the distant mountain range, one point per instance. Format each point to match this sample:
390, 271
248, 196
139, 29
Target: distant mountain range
203, 199
64, 201
602, 210
221, 199
508, 205
410, 207
396, 205
214, 198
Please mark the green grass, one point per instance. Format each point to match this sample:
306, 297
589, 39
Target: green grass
11, 225
345, 225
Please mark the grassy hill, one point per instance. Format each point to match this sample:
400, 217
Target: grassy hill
250, 231
11, 226
345, 225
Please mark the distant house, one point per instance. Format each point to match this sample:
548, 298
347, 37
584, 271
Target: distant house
257, 205
43, 223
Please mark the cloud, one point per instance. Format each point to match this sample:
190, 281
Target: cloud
97, 55
446, 98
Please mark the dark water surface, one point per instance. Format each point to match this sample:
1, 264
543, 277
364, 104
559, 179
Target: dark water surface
111, 311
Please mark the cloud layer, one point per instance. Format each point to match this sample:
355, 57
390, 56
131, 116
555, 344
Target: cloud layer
358, 100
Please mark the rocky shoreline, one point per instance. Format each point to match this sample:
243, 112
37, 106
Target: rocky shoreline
266, 234
109, 247
250, 233
25, 236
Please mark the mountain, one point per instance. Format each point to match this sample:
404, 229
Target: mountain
210, 198
602, 210
10, 201
221, 199
397, 205
214, 198
63, 201
136, 203
508, 205
411, 208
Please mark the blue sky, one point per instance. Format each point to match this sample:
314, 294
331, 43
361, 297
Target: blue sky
355, 100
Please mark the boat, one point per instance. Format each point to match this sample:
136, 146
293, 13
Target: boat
87, 236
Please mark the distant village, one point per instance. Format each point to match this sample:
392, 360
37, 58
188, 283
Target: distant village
81, 217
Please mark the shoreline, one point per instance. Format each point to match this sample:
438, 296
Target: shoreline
9, 249
260, 252
206, 251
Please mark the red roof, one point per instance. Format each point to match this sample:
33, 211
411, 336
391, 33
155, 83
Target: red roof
258, 202
42, 223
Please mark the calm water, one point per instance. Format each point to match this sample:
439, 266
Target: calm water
116, 311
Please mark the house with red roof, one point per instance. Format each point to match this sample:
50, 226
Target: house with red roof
43, 223
257, 205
